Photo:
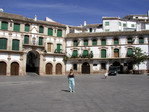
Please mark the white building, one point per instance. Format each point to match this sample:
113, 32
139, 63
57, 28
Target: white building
48, 47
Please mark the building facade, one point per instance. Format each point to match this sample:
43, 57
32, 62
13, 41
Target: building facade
50, 48
31, 45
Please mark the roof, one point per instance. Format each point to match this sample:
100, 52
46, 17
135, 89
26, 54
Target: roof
110, 18
103, 34
4, 15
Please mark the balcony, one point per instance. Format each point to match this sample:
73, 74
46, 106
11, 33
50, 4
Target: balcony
58, 51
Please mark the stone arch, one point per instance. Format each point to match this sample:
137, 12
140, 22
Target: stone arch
14, 68
32, 61
3, 68
119, 66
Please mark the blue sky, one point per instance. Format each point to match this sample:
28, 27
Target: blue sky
75, 12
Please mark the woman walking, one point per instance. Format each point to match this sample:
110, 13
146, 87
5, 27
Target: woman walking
71, 81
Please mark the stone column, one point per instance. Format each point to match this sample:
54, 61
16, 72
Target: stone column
91, 66
41, 66
8, 66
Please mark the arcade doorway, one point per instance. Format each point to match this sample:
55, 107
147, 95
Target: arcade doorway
32, 62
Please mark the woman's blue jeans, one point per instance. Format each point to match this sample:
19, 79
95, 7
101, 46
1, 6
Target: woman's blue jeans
71, 82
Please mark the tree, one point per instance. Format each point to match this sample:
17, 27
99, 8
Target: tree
138, 57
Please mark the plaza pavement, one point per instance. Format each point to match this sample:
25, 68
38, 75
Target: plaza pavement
121, 93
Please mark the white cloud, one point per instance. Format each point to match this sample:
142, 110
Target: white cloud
69, 8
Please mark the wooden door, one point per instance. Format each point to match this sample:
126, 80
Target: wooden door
3, 68
58, 68
14, 68
49, 68
85, 68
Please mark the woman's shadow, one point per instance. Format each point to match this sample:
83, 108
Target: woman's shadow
65, 90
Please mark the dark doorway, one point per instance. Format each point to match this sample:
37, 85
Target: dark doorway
14, 68
32, 62
49, 68
119, 66
58, 68
3, 68
85, 68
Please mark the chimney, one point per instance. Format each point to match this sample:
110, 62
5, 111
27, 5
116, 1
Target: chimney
84, 23
35, 19
148, 14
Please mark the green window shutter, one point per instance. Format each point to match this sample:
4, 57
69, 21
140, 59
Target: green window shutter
26, 39
103, 42
41, 29
40, 41
141, 41
59, 33
85, 53
16, 27
4, 26
27, 27
50, 31
130, 41
94, 42
116, 42
15, 45
3, 43
107, 23
75, 43
58, 48
103, 53
85, 42
129, 52
75, 53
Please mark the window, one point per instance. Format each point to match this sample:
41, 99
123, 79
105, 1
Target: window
15, 44
85, 53
129, 40
132, 25
26, 39
41, 29
116, 42
75, 43
103, 42
59, 33
107, 23
85, 42
75, 54
116, 52
141, 40
50, 32
4, 25
94, 42
119, 23
27, 27
16, 27
94, 64
58, 49
49, 47
90, 29
124, 25
103, 53
40, 42
75, 67
3, 43
107, 30
129, 52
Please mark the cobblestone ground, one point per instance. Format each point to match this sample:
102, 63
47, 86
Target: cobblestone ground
121, 93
